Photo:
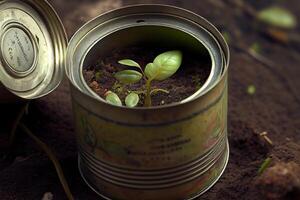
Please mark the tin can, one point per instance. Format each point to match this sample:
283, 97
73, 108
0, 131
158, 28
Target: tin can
32, 49
172, 152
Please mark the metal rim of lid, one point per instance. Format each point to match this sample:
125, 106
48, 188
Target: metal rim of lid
33, 44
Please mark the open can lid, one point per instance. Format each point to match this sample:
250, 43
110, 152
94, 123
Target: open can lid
33, 44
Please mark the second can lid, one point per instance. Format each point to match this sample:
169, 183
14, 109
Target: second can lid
33, 44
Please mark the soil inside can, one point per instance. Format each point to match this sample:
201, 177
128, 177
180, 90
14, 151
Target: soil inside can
190, 77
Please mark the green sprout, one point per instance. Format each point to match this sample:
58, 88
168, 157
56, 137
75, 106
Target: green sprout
251, 90
163, 67
264, 165
256, 48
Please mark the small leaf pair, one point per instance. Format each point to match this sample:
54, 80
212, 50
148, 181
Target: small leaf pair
131, 100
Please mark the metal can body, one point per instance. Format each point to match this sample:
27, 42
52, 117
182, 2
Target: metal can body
170, 152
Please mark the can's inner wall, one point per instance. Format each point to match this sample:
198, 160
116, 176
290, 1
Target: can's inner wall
143, 36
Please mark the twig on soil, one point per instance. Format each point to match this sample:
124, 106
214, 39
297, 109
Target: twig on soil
266, 137
22, 112
17, 123
52, 157
264, 166
263, 60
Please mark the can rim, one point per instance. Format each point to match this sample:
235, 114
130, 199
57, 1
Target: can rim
213, 30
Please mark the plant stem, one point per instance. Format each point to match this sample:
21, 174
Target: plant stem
53, 158
148, 102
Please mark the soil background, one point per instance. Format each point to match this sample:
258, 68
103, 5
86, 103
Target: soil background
275, 107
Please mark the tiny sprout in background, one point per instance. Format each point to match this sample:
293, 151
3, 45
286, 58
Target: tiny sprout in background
163, 67
256, 48
264, 166
278, 17
251, 89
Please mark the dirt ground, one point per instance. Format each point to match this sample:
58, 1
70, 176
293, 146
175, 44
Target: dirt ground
274, 108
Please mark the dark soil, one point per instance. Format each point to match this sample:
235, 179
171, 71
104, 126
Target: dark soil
274, 108
191, 75
281, 181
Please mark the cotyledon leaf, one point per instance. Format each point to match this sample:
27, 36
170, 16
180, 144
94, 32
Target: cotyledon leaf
132, 100
113, 99
129, 62
128, 76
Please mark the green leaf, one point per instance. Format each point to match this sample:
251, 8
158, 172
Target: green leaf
278, 17
132, 100
164, 65
113, 98
130, 63
151, 70
128, 76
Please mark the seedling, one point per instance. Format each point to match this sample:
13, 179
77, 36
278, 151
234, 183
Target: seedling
251, 90
256, 48
163, 67
264, 165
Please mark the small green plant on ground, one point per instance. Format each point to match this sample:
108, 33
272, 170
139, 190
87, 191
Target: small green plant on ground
163, 67
264, 165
